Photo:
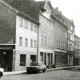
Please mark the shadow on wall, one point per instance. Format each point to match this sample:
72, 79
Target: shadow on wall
6, 32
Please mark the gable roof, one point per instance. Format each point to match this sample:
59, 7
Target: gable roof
59, 15
28, 7
42, 3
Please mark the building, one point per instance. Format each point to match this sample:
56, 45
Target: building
70, 42
46, 34
19, 34
35, 32
77, 50
60, 38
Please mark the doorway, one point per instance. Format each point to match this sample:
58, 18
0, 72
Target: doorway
6, 59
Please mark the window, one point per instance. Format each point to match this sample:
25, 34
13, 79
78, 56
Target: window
21, 22
26, 24
68, 36
22, 59
31, 26
26, 42
42, 40
71, 28
35, 28
31, 43
20, 41
35, 44
45, 40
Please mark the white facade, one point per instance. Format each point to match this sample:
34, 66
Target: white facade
26, 41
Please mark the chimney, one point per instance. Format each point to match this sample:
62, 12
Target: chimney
57, 9
60, 12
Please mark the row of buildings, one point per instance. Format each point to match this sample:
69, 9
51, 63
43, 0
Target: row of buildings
36, 32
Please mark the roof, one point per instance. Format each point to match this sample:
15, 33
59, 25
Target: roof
58, 14
28, 7
42, 3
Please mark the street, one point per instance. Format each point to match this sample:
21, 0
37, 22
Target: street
49, 75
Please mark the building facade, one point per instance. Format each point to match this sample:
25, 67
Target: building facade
77, 50
7, 36
60, 39
46, 34
18, 40
26, 42
35, 33
70, 42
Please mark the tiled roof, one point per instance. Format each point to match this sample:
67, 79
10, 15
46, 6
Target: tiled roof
28, 7
57, 14
42, 3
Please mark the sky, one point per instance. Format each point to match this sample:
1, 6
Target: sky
70, 9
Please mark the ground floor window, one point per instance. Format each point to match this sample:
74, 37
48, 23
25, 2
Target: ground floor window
22, 59
41, 56
33, 58
61, 59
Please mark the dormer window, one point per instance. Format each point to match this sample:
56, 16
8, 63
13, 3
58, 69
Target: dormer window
43, 10
48, 9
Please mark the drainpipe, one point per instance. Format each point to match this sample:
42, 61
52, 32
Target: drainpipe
37, 56
67, 46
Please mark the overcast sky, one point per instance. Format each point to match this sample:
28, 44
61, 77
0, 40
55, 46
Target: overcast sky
71, 10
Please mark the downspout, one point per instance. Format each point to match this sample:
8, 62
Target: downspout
37, 56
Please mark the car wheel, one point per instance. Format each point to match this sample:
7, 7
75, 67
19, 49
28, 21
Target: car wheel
44, 70
28, 72
38, 71
1, 74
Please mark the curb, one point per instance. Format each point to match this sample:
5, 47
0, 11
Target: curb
14, 73
53, 69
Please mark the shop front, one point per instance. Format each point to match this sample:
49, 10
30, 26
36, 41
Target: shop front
47, 58
60, 59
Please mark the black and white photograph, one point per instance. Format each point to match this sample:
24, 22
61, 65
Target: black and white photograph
39, 40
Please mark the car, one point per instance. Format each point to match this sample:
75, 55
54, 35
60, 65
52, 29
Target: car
36, 67
1, 72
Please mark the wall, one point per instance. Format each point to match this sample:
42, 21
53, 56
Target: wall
46, 38
60, 36
46, 30
7, 25
24, 33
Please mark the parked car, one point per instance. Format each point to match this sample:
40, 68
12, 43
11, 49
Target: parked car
36, 67
1, 72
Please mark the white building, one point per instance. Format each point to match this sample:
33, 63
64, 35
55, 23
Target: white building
26, 42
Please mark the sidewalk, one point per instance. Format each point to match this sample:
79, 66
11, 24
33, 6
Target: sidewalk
61, 68
13, 73
52, 69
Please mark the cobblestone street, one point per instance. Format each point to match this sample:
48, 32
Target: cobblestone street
49, 75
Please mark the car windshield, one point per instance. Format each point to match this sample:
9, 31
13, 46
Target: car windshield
34, 64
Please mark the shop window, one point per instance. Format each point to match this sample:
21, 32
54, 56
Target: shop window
41, 56
22, 59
